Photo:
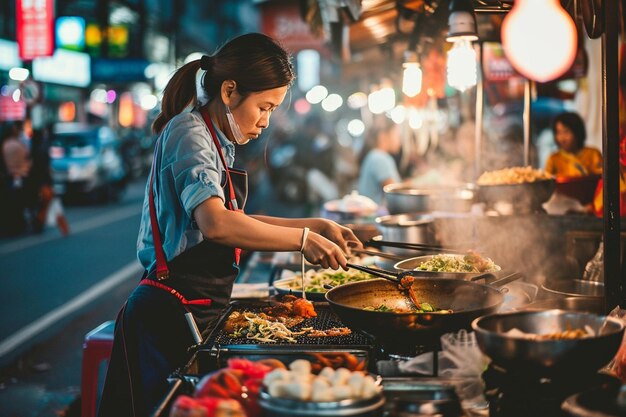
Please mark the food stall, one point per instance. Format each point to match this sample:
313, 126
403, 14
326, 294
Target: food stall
417, 363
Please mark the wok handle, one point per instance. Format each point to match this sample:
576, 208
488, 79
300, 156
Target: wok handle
391, 276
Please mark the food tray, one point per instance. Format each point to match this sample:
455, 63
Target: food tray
325, 319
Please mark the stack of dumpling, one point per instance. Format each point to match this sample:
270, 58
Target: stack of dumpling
298, 383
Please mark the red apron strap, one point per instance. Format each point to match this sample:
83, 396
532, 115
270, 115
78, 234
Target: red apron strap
232, 202
162, 271
183, 300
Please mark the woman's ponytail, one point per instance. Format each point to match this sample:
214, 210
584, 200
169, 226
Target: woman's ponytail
178, 94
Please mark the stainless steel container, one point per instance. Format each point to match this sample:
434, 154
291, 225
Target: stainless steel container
409, 228
407, 198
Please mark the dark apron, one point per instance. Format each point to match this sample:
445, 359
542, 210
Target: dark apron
152, 336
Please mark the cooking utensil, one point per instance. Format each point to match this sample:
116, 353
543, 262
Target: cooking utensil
377, 253
575, 288
378, 242
587, 304
523, 196
466, 299
548, 357
413, 228
411, 264
409, 198
388, 275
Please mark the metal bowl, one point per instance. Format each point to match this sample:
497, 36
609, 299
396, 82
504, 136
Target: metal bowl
411, 264
587, 304
283, 407
548, 357
575, 288
409, 198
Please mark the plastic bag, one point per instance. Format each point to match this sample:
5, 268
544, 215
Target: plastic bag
459, 358
617, 365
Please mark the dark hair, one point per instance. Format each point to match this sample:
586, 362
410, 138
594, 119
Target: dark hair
573, 122
380, 124
254, 61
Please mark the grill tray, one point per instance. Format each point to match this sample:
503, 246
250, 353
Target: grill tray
325, 319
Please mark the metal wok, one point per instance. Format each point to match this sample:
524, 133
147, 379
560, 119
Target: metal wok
548, 357
411, 264
467, 300
527, 195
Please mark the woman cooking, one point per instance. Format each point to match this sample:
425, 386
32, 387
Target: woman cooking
193, 227
573, 159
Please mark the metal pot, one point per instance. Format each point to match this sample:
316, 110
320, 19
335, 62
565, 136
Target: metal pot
548, 357
587, 304
575, 288
411, 264
527, 196
409, 228
407, 198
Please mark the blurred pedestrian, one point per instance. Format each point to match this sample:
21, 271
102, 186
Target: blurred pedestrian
15, 165
378, 167
193, 221
573, 159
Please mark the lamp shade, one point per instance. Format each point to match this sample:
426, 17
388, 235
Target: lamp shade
539, 39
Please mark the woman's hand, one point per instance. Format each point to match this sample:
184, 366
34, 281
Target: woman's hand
321, 251
339, 234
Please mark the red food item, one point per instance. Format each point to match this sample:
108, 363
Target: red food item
250, 369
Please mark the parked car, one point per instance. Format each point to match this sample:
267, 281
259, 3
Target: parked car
86, 160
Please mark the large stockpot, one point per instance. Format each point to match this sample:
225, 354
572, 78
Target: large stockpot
408, 228
409, 198
548, 357
467, 300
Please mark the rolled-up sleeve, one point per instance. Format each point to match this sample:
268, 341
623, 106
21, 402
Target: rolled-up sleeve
194, 163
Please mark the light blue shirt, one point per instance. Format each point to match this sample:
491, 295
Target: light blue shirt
378, 166
189, 172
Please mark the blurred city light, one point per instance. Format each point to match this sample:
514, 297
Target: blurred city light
70, 32
461, 65
316, 94
301, 106
17, 94
99, 95
192, 57
356, 127
308, 69
332, 102
415, 118
398, 114
357, 100
111, 96
18, 74
149, 101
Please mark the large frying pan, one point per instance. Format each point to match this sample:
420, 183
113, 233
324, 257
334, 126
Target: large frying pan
468, 300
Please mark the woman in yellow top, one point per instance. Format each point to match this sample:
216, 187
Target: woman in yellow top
573, 159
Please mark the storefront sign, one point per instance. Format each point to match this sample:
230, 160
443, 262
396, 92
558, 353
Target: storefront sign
495, 64
65, 67
11, 110
118, 70
9, 56
35, 28
282, 21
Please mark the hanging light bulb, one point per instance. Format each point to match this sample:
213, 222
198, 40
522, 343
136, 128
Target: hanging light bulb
412, 78
539, 39
461, 66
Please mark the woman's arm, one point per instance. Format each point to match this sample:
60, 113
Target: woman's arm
341, 235
236, 229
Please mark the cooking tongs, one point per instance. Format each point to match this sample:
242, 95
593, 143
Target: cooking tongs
378, 243
395, 277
